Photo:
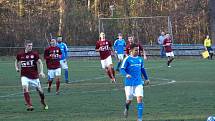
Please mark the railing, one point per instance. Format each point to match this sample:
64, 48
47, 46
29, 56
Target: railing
89, 51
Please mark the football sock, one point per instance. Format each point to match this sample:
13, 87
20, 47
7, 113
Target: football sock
169, 61
27, 98
140, 108
127, 105
50, 83
109, 73
66, 75
57, 84
113, 72
211, 55
42, 98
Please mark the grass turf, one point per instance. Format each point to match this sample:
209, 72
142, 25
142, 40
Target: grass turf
184, 92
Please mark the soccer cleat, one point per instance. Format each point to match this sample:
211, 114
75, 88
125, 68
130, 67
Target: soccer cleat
58, 92
30, 108
46, 107
168, 66
113, 80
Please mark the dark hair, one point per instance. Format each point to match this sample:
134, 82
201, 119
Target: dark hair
133, 45
119, 34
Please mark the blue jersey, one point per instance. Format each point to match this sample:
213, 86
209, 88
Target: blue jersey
119, 46
133, 66
64, 50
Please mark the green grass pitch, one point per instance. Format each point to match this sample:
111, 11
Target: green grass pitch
184, 92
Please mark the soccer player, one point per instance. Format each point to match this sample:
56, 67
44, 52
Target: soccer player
167, 43
141, 51
63, 60
119, 46
133, 70
27, 61
207, 45
52, 56
104, 47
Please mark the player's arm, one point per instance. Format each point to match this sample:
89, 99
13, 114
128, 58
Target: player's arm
146, 82
143, 71
115, 45
97, 48
40, 65
46, 55
123, 68
17, 65
66, 51
144, 54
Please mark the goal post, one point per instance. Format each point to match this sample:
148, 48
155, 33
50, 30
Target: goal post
145, 29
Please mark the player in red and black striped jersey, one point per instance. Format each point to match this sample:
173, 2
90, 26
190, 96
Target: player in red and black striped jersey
141, 50
104, 47
167, 43
52, 56
27, 61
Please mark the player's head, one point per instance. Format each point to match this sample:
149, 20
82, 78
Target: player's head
131, 39
134, 49
120, 35
59, 39
167, 36
28, 45
102, 35
162, 33
53, 42
207, 36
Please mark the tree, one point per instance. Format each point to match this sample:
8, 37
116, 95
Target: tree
211, 5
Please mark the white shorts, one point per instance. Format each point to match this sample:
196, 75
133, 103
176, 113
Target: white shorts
106, 62
170, 54
30, 82
131, 91
52, 73
64, 64
120, 56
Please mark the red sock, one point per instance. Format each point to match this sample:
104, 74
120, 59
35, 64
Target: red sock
50, 83
57, 84
109, 73
27, 98
113, 72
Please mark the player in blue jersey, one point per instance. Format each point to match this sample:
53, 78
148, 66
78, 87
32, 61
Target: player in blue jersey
63, 60
133, 69
119, 47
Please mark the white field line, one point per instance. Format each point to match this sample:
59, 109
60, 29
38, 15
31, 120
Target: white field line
83, 80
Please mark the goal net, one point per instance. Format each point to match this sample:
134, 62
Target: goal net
144, 29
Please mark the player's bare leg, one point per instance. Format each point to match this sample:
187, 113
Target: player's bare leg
27, 98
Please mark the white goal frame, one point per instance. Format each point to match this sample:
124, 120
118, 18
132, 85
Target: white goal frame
167, 20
